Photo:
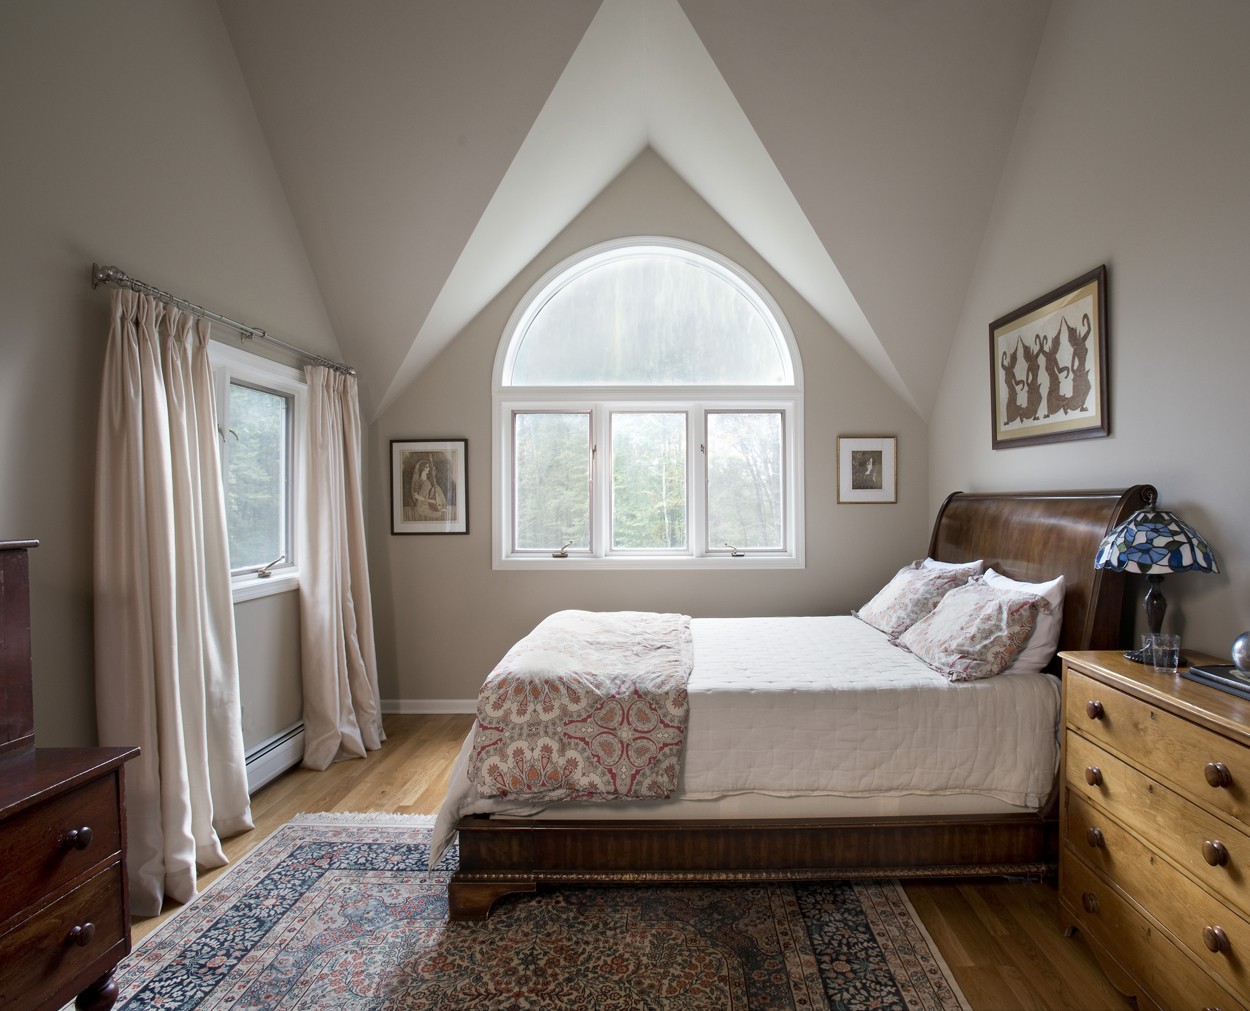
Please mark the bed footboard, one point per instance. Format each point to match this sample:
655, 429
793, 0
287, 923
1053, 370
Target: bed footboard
502, 856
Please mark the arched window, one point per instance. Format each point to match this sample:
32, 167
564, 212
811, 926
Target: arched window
648, 413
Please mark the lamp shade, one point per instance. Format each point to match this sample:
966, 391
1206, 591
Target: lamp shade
1155, 541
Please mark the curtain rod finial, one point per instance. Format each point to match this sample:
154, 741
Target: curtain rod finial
107, 275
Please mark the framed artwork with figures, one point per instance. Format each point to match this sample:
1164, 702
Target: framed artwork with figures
429, 486
1048, 366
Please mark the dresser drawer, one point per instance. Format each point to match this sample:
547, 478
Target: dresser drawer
41, 954
1212, 850
38, 855
1169, 976
1212, 769
1185, 909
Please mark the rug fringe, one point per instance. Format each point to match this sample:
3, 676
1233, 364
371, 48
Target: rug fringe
362, 818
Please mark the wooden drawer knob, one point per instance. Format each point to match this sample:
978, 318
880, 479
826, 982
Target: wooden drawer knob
1218, 775
77, 838
1216, 940
1093, 775
1094, 709
1094, 837
1089, 902
1214, 852
83, 934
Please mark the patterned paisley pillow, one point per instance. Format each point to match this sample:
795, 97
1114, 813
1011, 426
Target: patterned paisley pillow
910, 595
975, 632
1044, 641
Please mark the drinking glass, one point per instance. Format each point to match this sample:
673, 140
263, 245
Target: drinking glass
1166, 652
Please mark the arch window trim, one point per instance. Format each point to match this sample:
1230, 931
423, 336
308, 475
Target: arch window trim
602, 402
579, 264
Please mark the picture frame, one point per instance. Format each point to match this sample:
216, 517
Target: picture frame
1049, 375
867, 468
429, 486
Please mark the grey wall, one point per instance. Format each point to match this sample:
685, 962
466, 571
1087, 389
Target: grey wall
130, 139
445, 618
1131, 151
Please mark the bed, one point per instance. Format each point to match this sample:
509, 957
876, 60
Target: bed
828, 827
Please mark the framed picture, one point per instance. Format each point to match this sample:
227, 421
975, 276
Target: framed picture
867, 468
1048, 366
429, 486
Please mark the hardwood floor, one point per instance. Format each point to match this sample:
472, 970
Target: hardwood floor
1000, 937
1001, 940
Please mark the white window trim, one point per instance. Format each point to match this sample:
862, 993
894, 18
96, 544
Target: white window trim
229, 363
695, 400
694, 556
579, 263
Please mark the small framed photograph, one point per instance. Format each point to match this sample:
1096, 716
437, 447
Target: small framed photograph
867, 468
1048, 366
429, 486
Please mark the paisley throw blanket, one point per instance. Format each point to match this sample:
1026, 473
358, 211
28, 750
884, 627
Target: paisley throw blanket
588, 706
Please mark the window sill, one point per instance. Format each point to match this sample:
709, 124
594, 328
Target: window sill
252, 587
717, 563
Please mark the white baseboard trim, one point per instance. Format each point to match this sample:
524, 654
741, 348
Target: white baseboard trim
433, 707
271, 758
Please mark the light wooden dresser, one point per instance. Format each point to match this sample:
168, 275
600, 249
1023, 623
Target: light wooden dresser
64, 911
1154, 864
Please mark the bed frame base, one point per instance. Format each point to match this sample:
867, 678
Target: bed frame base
1025, 535
503, 856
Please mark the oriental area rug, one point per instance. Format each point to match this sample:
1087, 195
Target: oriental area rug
342, 912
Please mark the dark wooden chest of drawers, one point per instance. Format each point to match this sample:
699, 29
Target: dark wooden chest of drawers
1154, 866
64, 906
64, 909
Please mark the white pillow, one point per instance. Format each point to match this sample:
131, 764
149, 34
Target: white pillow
1044, 642
975, 632
933, 563
909, 596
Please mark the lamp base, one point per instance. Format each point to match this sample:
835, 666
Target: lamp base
1147, 656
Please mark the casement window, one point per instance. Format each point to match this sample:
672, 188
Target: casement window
648, 414
260, 405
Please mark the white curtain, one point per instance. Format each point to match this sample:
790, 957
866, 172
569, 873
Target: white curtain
166, 669
342, 707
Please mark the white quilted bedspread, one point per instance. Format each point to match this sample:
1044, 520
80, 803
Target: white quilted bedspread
826, 705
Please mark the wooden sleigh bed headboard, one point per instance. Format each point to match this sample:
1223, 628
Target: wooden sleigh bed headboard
1032, 536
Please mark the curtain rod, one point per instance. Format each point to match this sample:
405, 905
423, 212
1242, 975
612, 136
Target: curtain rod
118, 278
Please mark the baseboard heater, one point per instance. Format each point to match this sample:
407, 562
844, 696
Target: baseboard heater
271, 758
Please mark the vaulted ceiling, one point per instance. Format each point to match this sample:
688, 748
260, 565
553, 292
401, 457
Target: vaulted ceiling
429, 149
